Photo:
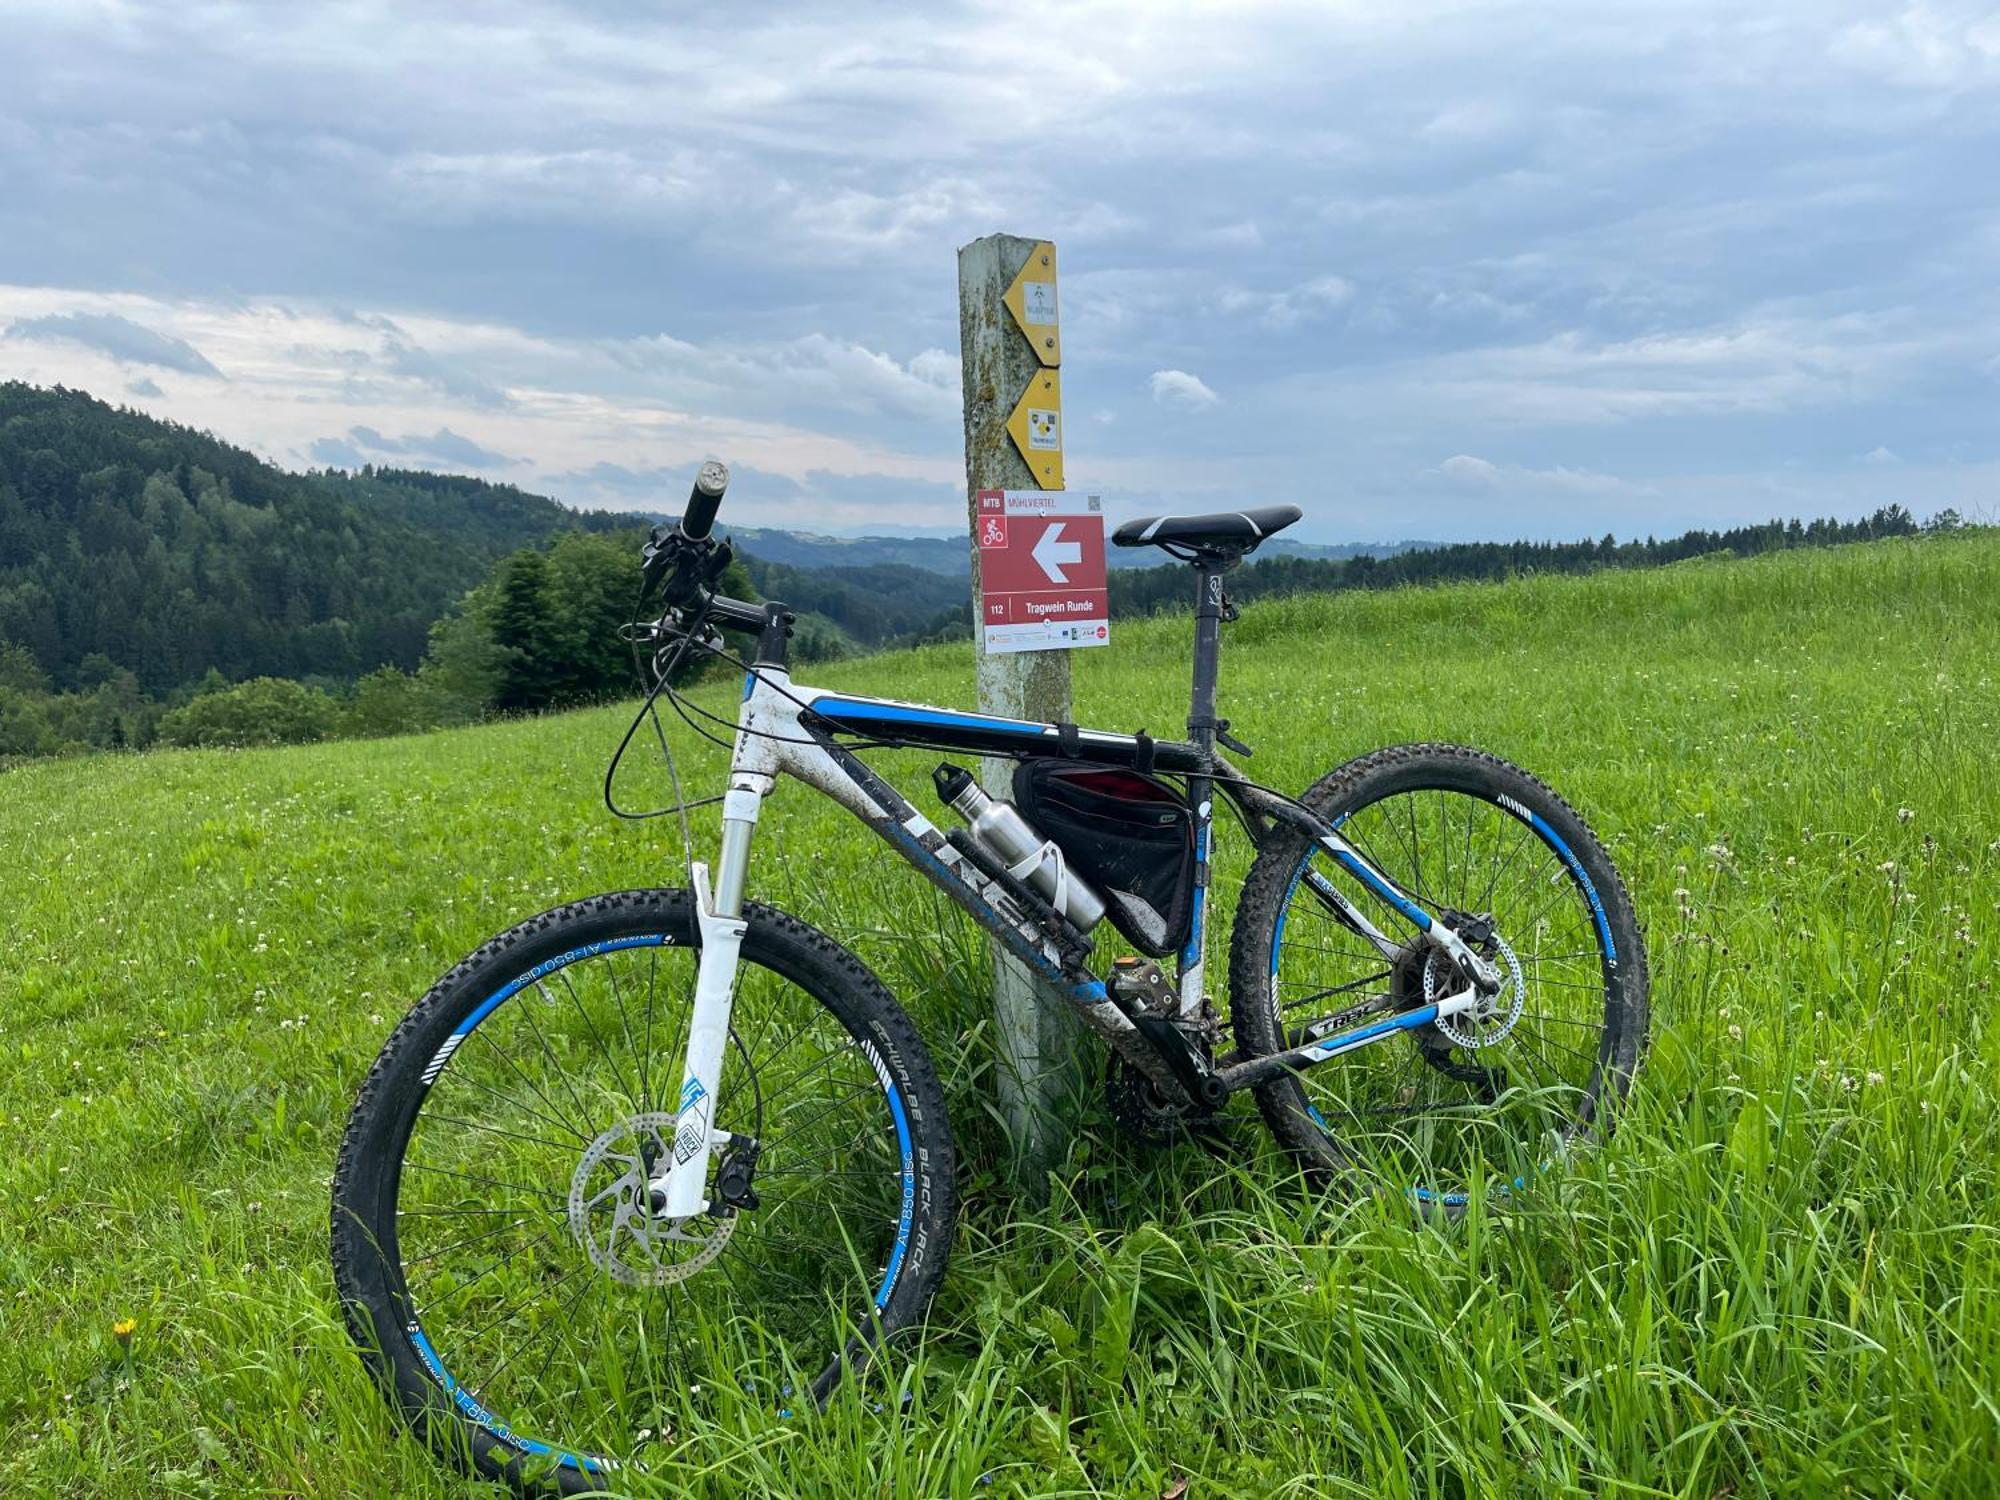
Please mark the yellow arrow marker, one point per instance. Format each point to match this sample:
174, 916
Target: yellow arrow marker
1032, 301
1036, 427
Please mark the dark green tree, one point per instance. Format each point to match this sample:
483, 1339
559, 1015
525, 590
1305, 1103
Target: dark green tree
591, 589
526, 649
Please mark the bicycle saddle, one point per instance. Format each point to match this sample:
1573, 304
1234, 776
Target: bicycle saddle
1235, 531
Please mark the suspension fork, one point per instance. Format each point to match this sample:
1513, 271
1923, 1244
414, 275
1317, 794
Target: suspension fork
720, 926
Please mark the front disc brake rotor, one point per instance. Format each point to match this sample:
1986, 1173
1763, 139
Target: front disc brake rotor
611, 1213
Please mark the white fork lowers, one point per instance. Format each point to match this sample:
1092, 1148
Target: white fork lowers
682, 1181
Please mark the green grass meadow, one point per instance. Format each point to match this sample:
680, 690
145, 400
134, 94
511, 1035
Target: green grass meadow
1781, 1276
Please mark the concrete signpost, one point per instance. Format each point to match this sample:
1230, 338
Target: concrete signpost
1038, 592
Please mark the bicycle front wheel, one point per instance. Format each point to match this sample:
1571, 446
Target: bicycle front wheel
493, 1239
1432, 1110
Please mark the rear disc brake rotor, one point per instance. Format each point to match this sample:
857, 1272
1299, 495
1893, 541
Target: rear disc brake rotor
1467, 1028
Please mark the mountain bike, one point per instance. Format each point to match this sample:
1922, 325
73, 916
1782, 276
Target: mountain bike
661, 1151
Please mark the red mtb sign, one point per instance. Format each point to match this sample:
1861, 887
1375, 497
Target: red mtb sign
1041, 570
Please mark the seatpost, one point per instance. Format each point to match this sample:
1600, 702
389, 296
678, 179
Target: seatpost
1202, 722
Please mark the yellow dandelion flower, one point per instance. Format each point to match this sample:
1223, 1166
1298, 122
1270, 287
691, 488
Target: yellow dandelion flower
124, 1328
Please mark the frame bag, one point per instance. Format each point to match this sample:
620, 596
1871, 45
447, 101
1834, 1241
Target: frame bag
1130, 836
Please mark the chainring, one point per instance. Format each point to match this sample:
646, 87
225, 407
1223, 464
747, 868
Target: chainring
1135, 1103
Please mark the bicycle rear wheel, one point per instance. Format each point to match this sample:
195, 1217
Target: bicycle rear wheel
492, 1236
1435, 1109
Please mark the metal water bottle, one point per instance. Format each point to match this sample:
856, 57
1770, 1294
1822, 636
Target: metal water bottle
1031, 859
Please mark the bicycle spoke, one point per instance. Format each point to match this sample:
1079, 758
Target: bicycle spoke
560, 1121
471, 1239
532, 1319
527, 1014
487, 1181
625, 1022
588, 1284
652, 975
1338, 989
1420, 1109
576, 1001
464, 1079
512, 1135
552, 1235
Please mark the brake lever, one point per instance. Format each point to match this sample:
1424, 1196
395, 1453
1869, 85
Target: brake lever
661, 551
687, 567
720, 556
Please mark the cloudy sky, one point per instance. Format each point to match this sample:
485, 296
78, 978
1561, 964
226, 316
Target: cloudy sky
1453, 270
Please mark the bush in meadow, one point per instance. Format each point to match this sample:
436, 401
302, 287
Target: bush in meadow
262, 711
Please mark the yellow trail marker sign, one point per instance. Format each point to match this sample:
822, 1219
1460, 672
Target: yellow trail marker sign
1036, 427
1032, 301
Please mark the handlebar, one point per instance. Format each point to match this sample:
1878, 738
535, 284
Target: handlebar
689, 563
705, 499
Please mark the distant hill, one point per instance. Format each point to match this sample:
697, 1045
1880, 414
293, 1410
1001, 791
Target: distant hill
872, 603
496, 514
952, 556
134, 546
131, 543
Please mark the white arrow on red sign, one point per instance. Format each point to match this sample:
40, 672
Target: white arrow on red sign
1050, 553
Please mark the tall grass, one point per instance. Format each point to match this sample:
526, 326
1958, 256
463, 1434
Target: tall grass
1781, 1277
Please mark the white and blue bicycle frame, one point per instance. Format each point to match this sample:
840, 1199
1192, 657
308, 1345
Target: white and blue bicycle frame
787, 729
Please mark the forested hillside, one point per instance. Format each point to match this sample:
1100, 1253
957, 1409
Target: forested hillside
873, 604
145, 564
137, 545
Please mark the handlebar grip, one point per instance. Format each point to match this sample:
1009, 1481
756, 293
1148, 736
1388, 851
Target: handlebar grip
699, 517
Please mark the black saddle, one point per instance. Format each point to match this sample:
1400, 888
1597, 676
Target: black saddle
1231, 532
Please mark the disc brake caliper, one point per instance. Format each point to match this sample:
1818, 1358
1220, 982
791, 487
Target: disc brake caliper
733, 1174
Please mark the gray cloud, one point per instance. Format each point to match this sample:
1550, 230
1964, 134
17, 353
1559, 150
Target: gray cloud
1691, 249
444, 448
400, 358
663, 487
820, 500
121, 338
